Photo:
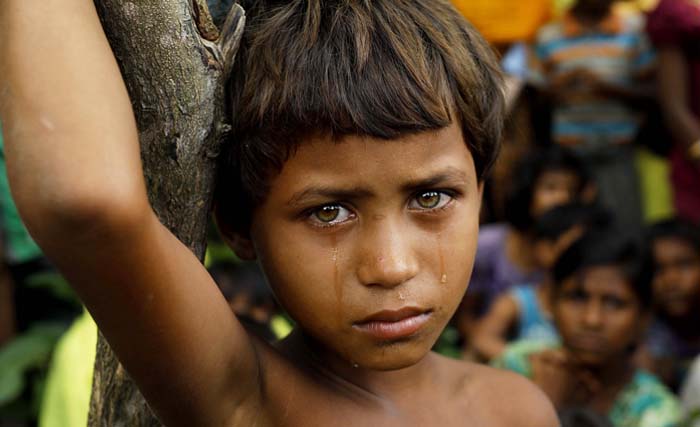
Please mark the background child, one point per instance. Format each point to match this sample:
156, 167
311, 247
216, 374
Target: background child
504, 256
524, 313
674, 339
244, 287
541, 182
601, 304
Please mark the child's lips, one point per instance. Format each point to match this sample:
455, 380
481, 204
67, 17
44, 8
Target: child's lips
394, 324
590, 343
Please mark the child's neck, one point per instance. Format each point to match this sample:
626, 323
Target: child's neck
613, 378
352, 379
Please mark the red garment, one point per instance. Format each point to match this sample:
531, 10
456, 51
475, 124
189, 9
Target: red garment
677, 23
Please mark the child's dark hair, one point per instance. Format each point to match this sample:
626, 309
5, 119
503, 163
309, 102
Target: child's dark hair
607, 247
558, 220
675, 229
377, 68
527, 172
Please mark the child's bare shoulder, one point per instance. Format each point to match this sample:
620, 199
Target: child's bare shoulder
503, 398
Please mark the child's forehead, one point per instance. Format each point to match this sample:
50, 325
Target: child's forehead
600, 278
323, 156
663, 244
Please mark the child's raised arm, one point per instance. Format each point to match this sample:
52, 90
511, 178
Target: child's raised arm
74, 166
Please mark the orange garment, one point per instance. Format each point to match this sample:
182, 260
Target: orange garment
506, 21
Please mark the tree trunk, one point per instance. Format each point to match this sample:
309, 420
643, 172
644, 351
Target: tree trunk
175, 63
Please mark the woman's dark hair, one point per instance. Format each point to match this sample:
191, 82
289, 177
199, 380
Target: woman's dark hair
525, 175
607, 246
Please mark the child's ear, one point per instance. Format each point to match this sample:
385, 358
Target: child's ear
242, 245
236, 237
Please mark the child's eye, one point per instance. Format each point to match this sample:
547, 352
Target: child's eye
430, 200
330, 215
615, 303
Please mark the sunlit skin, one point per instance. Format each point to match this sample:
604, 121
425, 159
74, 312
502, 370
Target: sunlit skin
553, 188
599, 317
350, 229
677, 277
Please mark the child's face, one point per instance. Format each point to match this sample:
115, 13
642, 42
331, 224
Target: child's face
553, 188
598, 315
677, 276
369, 244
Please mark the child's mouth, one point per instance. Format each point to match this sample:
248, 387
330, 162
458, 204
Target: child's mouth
394, 324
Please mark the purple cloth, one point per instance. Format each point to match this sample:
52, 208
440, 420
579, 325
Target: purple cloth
493, 272
677, 23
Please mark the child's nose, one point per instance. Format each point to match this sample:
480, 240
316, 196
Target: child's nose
386, 256
593, 315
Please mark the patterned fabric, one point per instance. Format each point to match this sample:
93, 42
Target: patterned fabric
644, 402
616, 51
533, 322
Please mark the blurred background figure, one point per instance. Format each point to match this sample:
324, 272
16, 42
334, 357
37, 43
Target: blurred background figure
596, 66
244, 287
524, 312
674, 27
505, 257
674, 338
601, 304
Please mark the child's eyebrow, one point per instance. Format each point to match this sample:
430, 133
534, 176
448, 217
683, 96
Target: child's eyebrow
328, 193
450, 175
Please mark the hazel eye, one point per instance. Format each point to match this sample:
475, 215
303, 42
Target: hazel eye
430, 200
330, 215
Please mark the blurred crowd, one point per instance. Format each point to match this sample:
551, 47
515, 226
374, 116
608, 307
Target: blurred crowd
587, 274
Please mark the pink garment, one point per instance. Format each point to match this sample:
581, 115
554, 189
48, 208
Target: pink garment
677, 23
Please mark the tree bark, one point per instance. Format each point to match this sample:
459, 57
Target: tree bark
175, 62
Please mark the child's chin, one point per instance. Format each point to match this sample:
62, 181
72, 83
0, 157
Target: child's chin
394, 358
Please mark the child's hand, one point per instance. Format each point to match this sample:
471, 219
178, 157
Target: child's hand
557, 374
579, 82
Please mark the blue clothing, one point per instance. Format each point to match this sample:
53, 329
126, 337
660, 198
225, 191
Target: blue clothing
533, 322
